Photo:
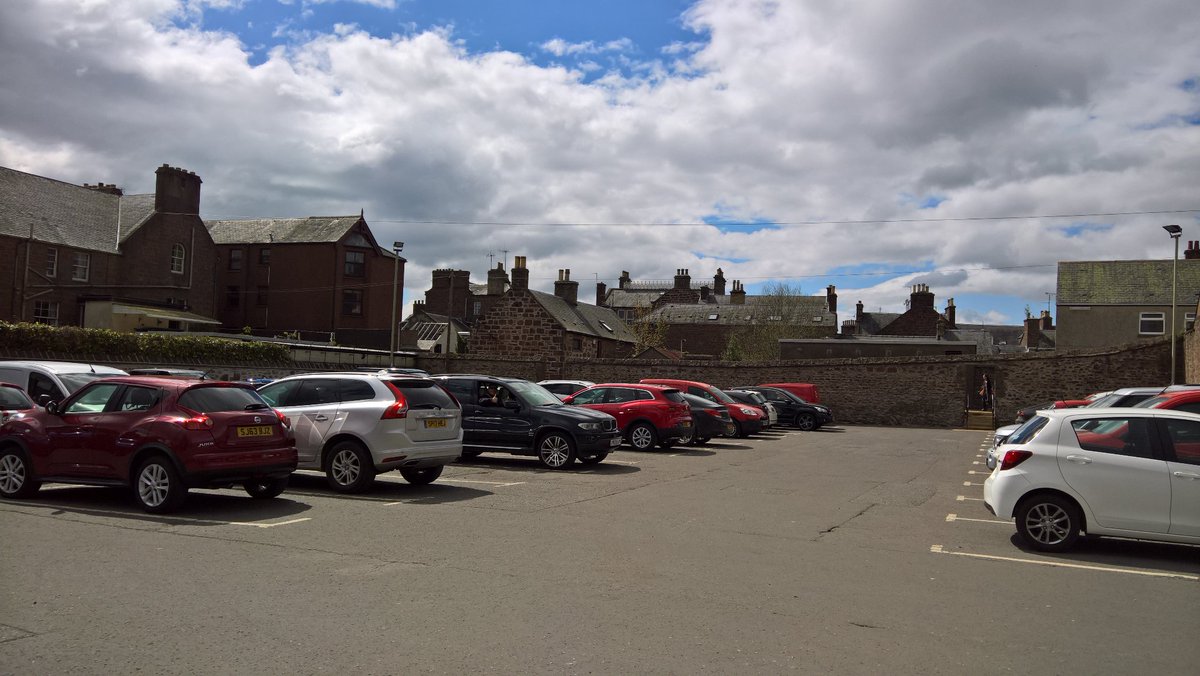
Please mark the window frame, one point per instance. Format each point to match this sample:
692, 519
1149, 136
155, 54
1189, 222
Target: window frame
1144, 317
236, 260
349, 306
178, 258
354, 268
51, 262
81, 261
49, 316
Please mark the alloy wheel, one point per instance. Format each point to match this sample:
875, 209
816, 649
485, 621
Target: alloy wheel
154, 484
641, 438
12, 473
345, 467
1048, 524
555, 451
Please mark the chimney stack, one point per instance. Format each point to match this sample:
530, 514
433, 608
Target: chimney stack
1193, 250
565, 289
738, 295
624, 281
921, 297
601, 292
831, 298
1047, 323
497, 280
950, 314
858, 311
520, 274
719, 282
110, 188
1032, 333
682, 279
176, 191
849, 327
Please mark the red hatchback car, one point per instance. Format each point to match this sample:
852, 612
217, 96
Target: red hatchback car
646, 414
160, 436
747, 419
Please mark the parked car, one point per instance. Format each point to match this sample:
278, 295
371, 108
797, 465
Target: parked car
647, 415
353, 426
53, 380
395, 371
806, 391
1028, 412
13, 402
792, 409
565, 388
755, 399
524, 418
1174, 400
1126, 472
181, 373
747, 419
709, 420
158, 436
1126, 396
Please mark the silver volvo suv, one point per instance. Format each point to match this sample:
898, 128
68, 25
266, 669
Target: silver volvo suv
352, 426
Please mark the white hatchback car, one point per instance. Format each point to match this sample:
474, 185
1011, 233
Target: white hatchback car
1122, 472
353, 426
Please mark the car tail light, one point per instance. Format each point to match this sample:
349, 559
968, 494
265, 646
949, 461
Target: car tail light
283, 419
398, 409
196, 423
1013, 458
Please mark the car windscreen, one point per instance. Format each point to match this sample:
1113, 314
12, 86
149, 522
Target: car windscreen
422, 393
1105, 401
722, 397
532, 393
219, 399
1152, 402
1029, 430
75, 381
12, 399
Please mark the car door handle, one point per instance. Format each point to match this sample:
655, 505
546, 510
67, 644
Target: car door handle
320, 417
1079, 459
1187, 475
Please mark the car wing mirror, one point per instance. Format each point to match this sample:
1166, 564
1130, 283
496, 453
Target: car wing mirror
43, 400
51, 406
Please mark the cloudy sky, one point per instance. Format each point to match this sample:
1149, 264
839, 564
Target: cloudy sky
870, 145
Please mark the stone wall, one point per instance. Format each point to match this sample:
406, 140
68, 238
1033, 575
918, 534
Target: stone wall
518, 326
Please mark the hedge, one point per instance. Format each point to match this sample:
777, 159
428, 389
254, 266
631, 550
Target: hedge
72, 340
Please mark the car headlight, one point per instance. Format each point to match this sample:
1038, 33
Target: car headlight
747, 411
821, 409
591, 427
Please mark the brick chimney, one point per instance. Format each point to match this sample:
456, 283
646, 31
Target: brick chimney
950, 314
738, 295
176, 191
520, 274
683, 280
1192, 251
858, 312
601, 292
921, 297
110, 188
1033, 332
565, 289
497, 280
849, 327
719, 282
831, 298
704, 293
624, 280
1047, 323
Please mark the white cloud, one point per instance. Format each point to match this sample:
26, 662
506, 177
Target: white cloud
785, 111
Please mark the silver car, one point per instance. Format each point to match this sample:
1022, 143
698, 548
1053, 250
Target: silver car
352, 426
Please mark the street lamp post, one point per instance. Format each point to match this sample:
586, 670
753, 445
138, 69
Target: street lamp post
1175, 231
397, 247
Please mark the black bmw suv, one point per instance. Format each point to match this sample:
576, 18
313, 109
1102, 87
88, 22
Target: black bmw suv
510, 415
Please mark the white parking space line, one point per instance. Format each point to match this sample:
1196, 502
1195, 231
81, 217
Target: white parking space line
267, 525
950, 518
963, 497
968, 483
973, 472
452, 480
627, 462
937, 549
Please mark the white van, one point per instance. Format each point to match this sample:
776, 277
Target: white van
55, 379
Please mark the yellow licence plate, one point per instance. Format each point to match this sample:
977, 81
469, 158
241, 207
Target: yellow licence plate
435, 422
255, 431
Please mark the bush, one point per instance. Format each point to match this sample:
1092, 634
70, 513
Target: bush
78, 342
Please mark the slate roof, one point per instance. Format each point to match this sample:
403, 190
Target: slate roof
806, 308
584, 318
1136, 282
68, 215
874, 322
281, 230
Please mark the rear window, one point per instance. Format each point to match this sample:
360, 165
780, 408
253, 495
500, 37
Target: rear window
218, 399
12, 399
423, 393
675, 396
1152, 402
1025, 433
355, 390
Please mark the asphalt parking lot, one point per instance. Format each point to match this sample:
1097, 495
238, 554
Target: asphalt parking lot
847, 550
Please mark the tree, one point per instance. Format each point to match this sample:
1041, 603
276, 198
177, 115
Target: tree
775, 313
649, 329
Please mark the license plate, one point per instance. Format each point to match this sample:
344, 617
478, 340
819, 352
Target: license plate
255, 431
614, 442
434, 422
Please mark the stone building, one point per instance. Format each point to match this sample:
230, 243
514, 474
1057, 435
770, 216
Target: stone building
528, 323
93, 256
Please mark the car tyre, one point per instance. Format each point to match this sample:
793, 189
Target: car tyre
806, 422
16, 477
420, 477
1048, 522
593, 458
157, 487
349, 468
556, 450
265, 489
642, 436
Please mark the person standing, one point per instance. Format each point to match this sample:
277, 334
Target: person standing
985, 392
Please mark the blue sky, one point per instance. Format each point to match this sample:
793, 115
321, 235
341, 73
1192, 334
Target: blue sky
969, 146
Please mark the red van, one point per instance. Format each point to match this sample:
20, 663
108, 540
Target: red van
747, 419
806, 391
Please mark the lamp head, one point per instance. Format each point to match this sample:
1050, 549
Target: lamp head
399, 246
1174, 230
